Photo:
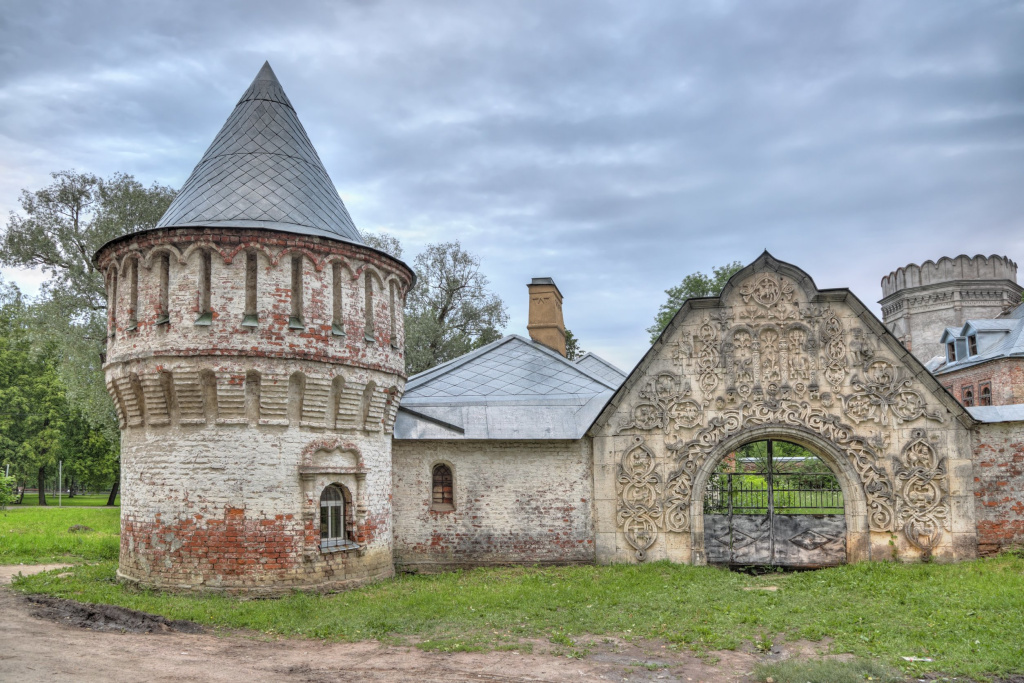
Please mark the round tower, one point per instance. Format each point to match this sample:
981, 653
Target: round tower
255, 358
920, 301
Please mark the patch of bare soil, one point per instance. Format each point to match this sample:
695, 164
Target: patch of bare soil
106, 617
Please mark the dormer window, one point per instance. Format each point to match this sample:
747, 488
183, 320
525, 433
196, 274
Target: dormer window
972, 345
951, 352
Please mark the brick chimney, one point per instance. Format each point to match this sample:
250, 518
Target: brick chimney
545, 324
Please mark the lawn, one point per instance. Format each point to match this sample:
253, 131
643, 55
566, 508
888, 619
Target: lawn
36, 535
967, 617
90, 500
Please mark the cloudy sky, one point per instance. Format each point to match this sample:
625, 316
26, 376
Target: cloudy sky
614, 146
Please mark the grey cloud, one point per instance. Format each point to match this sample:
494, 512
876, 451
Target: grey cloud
616, 146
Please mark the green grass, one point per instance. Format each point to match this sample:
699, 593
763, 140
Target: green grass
91, 500
36, 535
827, 671
967, 617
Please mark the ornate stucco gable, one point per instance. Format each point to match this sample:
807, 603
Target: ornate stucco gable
775, 357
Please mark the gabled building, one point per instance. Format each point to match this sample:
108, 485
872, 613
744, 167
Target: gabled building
983, 363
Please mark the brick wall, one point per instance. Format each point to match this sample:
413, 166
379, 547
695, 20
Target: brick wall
231, 433
999, 485
514, 502
1005, 376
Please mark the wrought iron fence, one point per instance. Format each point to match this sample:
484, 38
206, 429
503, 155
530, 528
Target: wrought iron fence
751, 493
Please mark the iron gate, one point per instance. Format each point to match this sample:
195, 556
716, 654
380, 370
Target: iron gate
767, 513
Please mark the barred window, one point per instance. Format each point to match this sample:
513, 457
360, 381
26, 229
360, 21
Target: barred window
986, 396
442, 488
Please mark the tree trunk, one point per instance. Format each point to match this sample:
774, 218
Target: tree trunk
71, 487
41, 483
113, 490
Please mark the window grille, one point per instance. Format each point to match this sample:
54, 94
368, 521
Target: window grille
442, 488
968, 394
985, 399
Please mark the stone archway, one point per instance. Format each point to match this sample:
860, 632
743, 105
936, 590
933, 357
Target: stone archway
855, 502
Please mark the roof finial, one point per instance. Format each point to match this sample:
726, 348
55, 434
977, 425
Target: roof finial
266, 73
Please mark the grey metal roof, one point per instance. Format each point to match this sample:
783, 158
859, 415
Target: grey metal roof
1010, 345
1010, 413
513, 388
261, 171
599, 366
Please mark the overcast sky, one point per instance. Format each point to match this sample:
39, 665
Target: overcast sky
614, 146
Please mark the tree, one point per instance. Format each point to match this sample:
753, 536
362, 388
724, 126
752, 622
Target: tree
59, 229
572, 346
450, 310
693, 286
38, 426
382, 241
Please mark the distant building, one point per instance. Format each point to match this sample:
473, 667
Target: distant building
983, 364
920, 301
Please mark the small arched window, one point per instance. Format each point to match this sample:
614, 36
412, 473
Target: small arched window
205, 288
133, 294
968, 394
369, 332
333, 517
986, 396
442, 495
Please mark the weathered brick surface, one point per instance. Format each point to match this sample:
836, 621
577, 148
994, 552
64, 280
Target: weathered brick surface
515, 502
999, 485
231, 433
1005, 376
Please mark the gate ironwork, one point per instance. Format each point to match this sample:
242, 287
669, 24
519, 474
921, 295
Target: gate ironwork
775, 512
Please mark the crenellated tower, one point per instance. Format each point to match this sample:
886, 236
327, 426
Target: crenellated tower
920, 301
255, 357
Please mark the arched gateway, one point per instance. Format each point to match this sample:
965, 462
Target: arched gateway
774, 359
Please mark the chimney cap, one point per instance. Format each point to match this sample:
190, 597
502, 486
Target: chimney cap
544, 282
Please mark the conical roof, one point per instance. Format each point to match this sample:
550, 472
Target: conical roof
261, 171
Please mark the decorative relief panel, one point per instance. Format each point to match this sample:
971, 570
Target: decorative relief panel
639, 489
922, 511
771, 355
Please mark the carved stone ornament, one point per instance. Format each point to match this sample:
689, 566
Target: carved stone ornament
639, 490
768, 297
922, 509
690, 455
663, 405
708, 357
885, 393
834, 346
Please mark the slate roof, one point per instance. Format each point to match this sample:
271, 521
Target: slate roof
514, 388
601, 367
261, 171
1010, 343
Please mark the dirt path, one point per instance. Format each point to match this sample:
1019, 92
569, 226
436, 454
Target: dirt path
37, 649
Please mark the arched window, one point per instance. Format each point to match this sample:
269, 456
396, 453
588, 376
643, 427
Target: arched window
338, 322
163, 313
296, 322
968, 394
392, 309
369, 333
442, 494
333, 519
250, 317
986, 396
133, 294
205, 288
